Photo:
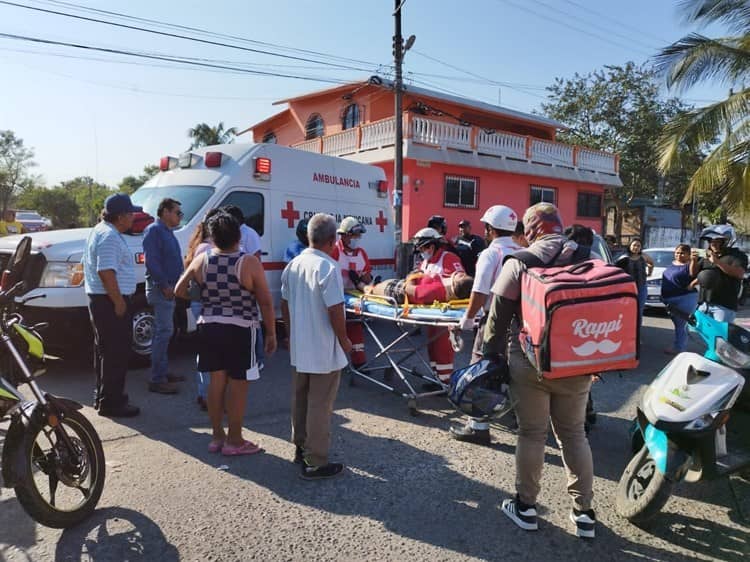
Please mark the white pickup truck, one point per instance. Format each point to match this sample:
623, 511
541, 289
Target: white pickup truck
275, 187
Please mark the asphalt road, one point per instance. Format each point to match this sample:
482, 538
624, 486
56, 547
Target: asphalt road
409, 492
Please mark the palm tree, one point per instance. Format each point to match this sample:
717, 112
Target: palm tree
205, 135
721, 128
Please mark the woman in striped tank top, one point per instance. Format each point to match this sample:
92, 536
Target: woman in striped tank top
233, 289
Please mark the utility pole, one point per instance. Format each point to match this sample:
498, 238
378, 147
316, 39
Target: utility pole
398, 165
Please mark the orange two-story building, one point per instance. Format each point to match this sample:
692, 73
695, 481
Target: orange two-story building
460, 155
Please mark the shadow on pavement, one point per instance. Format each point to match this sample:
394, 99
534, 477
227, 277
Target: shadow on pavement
12, 516
115, 534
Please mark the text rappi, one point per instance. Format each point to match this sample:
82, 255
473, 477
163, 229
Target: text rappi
585, 329
335, 180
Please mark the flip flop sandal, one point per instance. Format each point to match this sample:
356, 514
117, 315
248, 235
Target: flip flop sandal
247, 448
215, 446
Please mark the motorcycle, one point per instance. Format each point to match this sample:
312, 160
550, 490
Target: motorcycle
688, 426
51, 456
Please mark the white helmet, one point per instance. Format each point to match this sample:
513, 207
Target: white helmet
425, 236
500, 217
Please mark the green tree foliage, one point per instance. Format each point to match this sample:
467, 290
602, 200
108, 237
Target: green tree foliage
15, 161
618, 109
89, 196
205, 135
57, 204
130, 183
721, 128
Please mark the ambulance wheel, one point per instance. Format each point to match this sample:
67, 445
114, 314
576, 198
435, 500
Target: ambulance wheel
142, 332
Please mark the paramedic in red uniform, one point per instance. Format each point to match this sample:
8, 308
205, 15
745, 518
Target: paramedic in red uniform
499, 227
539, 401
437, 261
355, 269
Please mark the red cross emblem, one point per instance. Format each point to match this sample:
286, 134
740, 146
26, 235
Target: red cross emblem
512, 216
381, 221
289, 214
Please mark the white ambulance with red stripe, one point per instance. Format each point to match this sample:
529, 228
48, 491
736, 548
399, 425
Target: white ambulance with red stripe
275, 187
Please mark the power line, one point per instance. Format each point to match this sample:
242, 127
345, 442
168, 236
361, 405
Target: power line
167, 58
199, 30
574, 28
618, 22
179, 36
584, 21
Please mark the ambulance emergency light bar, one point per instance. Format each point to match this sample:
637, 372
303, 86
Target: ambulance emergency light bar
189, 160
262, 168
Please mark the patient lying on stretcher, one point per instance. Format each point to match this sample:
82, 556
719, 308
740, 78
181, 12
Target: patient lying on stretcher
421, 288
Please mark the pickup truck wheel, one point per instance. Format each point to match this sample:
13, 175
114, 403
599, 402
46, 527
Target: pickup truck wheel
142, 332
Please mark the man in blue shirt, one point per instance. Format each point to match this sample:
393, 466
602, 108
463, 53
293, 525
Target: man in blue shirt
163, 269
109, 277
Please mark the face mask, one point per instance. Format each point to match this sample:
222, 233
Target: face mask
425, 255
354, 243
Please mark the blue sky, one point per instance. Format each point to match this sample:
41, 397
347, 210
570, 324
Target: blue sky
109, 117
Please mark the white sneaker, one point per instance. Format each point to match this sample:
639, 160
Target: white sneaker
521, 514
585, 521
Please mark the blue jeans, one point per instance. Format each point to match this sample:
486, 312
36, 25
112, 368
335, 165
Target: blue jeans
202, 378
163, 329
685, 304
718, 312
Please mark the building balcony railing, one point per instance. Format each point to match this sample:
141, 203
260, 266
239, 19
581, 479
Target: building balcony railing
439, 134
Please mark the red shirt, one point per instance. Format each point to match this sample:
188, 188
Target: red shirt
428, 290
442, 263
355, 260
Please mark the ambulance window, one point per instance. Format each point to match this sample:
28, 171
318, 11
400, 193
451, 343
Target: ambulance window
351, 116
251, 205
314, 128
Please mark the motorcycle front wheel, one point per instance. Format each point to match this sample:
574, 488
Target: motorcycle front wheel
643, 490
59, 483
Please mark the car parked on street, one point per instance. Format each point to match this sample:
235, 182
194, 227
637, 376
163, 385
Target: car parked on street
663, 258
32, 221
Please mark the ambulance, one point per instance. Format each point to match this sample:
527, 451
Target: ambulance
275, 187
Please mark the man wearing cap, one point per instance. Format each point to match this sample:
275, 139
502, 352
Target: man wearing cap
355, 271
468, 246
163, 269
719, 274
438, 262
109, 276
541, 401
499, 227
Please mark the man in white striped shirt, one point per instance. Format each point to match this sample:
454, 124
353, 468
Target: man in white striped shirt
109, 275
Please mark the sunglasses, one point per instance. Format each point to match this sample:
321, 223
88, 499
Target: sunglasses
180, 214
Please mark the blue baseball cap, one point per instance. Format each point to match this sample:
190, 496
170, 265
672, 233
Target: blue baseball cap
120, 203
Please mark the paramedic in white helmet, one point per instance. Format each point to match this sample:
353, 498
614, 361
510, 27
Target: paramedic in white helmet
499, 227
356, 272
438, 262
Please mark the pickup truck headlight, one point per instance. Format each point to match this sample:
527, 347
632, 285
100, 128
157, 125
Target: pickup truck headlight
62, 274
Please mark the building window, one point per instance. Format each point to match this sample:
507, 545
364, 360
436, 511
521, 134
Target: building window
543, 194
351, 116
314, 127
460, 192
589, 205
269, 137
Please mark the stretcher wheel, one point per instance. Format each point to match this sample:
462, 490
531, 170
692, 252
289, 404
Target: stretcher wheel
412, 405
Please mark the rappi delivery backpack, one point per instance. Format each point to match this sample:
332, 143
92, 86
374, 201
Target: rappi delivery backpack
578, 319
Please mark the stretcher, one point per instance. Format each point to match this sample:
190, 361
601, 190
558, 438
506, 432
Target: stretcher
392, 356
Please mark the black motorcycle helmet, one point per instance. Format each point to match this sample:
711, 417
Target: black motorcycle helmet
438, 223
302, 231
481, 389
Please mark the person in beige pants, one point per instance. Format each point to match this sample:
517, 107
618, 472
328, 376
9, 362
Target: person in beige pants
537, 400
312, 305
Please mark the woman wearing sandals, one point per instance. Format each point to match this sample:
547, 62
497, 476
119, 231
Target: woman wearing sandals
233, 288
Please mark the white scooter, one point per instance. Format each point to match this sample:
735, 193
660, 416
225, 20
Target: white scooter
687, 426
